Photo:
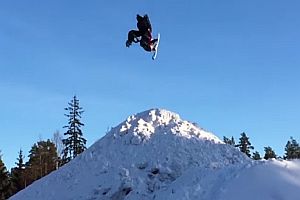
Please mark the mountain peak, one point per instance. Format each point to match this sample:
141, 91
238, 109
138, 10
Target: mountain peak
141, 127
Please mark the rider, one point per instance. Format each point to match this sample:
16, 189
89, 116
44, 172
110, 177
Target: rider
143, 34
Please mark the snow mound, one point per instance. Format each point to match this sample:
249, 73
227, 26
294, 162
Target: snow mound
140, 127
148, 156
268, 180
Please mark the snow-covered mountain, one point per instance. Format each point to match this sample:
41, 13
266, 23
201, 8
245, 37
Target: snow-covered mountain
157, 155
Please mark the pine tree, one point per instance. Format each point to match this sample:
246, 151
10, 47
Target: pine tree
244, 144
229, 141
256, 156
292, 149
269, 153
42, 161
5, 186
18, 174
74, 144
32, 165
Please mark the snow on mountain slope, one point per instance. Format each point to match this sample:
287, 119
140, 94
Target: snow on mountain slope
151, 155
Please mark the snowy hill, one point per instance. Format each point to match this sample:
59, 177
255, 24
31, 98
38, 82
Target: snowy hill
157, 155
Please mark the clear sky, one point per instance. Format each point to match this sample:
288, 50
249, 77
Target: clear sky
231, 66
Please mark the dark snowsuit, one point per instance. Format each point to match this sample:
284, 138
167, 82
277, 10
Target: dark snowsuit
144, 31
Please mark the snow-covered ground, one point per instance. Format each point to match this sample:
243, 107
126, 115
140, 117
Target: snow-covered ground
157, 155
267, 180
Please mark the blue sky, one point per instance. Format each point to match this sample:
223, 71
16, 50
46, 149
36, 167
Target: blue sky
231, 66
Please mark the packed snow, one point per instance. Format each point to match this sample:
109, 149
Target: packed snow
157, 155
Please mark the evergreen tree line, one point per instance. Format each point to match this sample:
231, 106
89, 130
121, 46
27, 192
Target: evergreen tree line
45, 156
292, 148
